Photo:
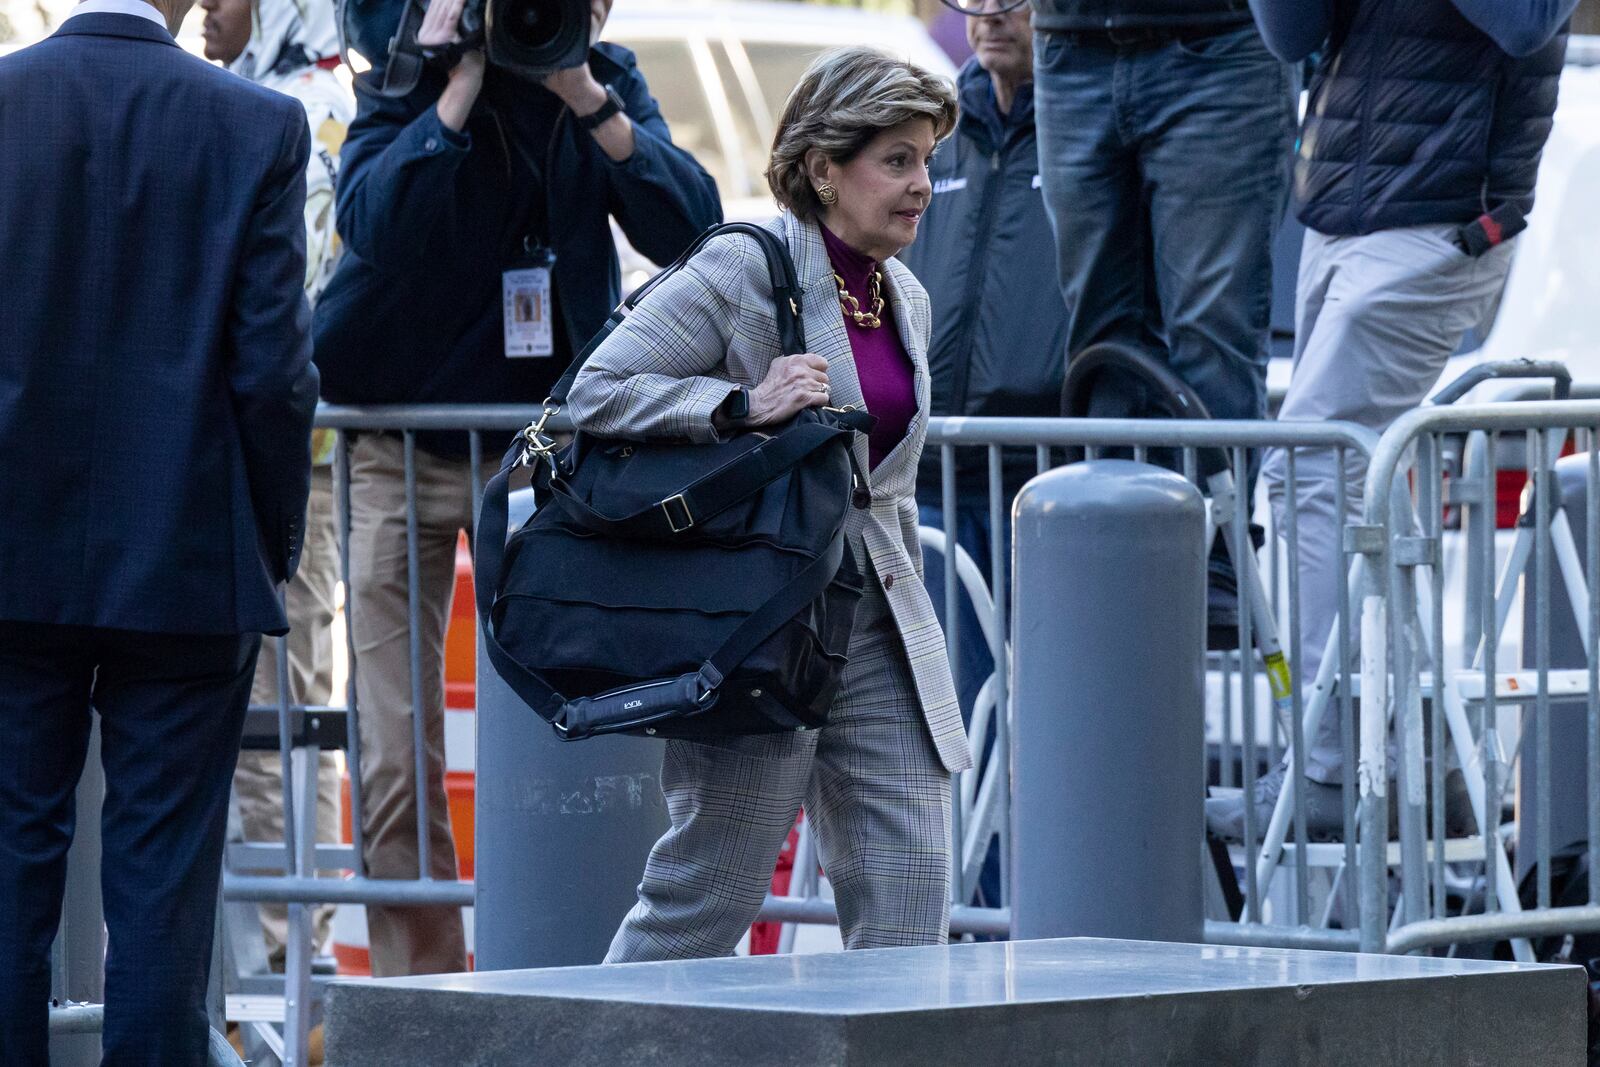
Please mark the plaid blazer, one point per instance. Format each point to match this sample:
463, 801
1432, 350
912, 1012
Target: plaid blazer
665, 370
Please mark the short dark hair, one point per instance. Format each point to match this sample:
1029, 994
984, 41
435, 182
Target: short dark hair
846, 98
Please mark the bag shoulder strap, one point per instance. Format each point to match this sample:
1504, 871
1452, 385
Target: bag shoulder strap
782, 606
785, 296
488, 560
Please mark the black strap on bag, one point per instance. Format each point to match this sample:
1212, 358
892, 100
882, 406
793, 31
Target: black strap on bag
636, 706
785, 304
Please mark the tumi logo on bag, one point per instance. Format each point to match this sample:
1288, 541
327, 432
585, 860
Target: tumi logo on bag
630, 705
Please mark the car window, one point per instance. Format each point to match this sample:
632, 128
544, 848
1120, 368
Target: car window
775, 68
778, 66
676, 85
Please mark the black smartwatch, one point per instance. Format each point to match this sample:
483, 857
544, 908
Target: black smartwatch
612, 106
737, 405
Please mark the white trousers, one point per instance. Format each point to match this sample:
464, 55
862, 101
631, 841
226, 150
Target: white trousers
1376, 317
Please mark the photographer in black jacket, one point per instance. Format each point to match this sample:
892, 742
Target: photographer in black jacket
479, 258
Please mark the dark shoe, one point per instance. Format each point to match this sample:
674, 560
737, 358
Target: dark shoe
1459, 821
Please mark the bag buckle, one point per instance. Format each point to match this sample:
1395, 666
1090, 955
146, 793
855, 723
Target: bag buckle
677, 523
536, 443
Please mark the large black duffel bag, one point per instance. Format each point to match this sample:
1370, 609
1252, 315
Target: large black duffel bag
677, 589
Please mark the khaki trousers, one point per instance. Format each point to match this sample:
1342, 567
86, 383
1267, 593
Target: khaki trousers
258, 781
404, 940
1376, 319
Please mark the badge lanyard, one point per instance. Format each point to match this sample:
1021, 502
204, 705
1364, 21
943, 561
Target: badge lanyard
525, 297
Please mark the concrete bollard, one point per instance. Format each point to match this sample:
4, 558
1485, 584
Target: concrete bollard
563, 831
1108, 641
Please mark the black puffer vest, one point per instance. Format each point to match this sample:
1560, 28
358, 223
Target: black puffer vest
1081, 15
1418, 117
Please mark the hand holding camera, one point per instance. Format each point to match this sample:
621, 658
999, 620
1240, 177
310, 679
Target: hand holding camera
577, 89
441, 28
575, 85
448, 28
533, 39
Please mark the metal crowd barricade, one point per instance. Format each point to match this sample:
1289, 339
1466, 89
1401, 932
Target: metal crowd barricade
279, 1010
1469, 692
980, 812
285, 872
1437, 698
1395, 563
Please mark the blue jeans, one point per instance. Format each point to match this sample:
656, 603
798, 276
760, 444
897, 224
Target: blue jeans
975, 665
1164, 169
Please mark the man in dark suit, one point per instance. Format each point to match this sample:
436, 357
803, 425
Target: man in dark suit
156, 396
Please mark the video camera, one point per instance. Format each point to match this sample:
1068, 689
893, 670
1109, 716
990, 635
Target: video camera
529, 38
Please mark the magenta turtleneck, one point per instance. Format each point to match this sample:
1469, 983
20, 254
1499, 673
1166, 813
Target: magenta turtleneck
888, 382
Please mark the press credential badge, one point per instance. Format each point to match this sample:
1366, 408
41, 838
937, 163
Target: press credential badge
525, 292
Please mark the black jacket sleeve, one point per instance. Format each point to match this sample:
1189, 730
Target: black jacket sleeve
1519, 27
1293, 29
270, 376
396, 175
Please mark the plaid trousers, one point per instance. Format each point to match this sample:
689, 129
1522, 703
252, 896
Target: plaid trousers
873, 786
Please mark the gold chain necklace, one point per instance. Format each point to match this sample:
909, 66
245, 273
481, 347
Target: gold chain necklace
866, 319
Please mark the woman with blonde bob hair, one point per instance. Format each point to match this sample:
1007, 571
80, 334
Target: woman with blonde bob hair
699, 358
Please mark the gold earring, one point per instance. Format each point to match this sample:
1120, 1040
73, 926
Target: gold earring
827, 194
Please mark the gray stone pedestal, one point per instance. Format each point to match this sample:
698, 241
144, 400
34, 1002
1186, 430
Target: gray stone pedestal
1080, 1001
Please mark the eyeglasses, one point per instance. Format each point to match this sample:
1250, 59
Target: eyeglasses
974, 8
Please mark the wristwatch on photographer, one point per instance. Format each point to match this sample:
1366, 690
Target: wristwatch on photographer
612, 106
